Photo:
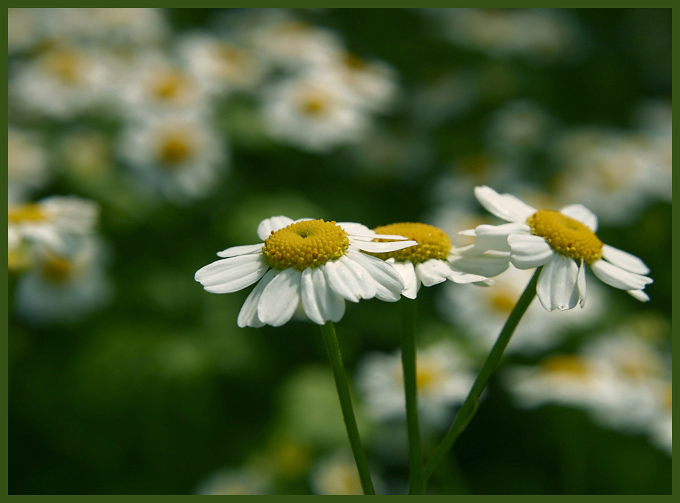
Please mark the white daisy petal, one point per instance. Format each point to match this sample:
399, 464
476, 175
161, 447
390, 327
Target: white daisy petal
240, 250
308, 296
231, 274
273, 224
624, 260
388, 280
378, 247
487, 264
582, 214
581, 283
408, 275
463, 278
639, 295
331, 305
528, 252
247, 317
619, 278
349, 280
366, 285
432, 272
504, 206
280, 298
557, 286
495, 237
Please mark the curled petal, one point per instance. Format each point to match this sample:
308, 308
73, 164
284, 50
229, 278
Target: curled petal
504, 206
240, 250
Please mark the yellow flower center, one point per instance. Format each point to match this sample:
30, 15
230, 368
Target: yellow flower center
354, 62
566, 365
314, 104
669, 398
566, 235
57, 269
426, 377
432, 242
310, 243
170, 85
174, 149
502, 300
64, 64
25, 213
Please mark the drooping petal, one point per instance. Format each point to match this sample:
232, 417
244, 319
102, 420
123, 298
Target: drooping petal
273, 224
624, 260
557, 286
331, 305
349, 280
504, 206
433, 271
582, 214
619, 278
308, 296
231, 274
529, 251
639, 295
388, 280
247, 317
235, 251
379, 247
409, 277
280, 298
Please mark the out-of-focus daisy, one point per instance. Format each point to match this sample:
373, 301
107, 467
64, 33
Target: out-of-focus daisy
655, 123
661, 426
336, 474
180, 156
482, 312
223, 65
27, 168
310, 263
427, 263
24, 29
315, 112
62, 81
58, 222
519, 126
234, 481
562, 242
85, 153
63, 288
444, 377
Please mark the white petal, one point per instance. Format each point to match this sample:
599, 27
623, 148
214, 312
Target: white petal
356, 229
557, 286
432, 272
377, 247
408, 275
487, 264
280, 298
504, 206
582, 214
247, 317
624, 260
617, 277
388, 280
240, 250
463, 278
495, 237
308, 296
529, 251
273, 224
349, 280
639, 295
331, 305
231, 274
581, 283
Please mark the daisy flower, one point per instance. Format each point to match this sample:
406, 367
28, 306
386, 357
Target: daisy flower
562, 242
310, 263
427, 263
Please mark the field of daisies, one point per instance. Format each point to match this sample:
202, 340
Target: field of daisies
269, 251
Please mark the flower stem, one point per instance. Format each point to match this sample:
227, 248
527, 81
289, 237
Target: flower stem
469, 407
341, 384
408, 363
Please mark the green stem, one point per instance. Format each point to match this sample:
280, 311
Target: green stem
408, 363
469, 407
333, 349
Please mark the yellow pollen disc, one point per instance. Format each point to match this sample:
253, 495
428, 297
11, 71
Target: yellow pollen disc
25, 213
174, 149
65, 65
310, 243
566, 365
426, 377
314, 105
170, 85
56, 269
432, 242
502, 300
566, 235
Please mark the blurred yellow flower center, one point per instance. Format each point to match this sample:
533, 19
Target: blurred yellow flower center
502, 300
25, 213
174, 149
566, 365
354, 62
433, 243
57, 269
65, 65
426, 377
310, 243
314, 105
170, 85
566, 235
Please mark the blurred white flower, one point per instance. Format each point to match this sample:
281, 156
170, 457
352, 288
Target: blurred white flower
336, 474
444, 377
234, 481
27, 169
181, 157
517, 127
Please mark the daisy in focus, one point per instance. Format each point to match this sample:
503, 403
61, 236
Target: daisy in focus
309, 263
427, 263
562, 242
